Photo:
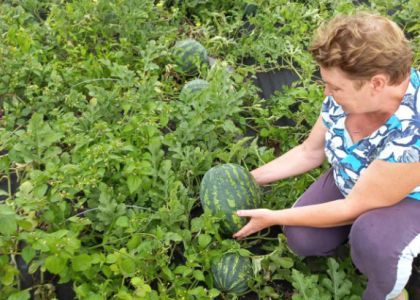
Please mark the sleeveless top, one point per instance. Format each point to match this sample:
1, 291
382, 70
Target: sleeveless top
397, 140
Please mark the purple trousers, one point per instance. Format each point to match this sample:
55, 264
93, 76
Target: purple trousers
383, 242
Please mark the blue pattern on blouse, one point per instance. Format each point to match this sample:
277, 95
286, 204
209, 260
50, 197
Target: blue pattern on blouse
397, 140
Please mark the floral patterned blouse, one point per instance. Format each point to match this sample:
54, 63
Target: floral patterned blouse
397, 140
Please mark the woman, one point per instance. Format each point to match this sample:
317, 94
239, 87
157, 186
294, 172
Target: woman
368, 129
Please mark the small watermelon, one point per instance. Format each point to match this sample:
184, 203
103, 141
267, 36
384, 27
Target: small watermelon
194, 86
250, 10
231, 273
227, 188
187, 54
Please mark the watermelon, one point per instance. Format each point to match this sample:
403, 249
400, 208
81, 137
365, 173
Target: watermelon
194, 86
187, 54
231, 273
226, 188
250, 10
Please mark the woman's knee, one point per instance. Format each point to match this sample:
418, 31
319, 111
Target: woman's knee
298, 240
367, 240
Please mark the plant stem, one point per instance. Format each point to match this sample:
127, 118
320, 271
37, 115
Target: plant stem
93, 80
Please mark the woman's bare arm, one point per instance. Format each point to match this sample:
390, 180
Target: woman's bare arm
381, 184
302, 158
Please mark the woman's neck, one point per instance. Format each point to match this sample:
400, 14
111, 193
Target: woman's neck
391, 98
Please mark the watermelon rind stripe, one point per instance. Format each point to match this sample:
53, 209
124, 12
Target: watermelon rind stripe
226, 270
194, 86
218, 276
231, 273
188, 53
225, 189
239, 278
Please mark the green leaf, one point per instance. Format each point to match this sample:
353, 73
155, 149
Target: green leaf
198, 291
39, 191
8, 224
308, 287
94, 297
127, 266
133, 183
286, 262
26, 187
256, 264
7, 275
168, 273
199, 275
6, 210
134, 242
34, 266
81, 262
281, 261
4, 164
27, 224
111, 258
108, 206
197, 224
213, 293
142, 288
244, 252
28, 254
337, 284
97, 258
172, 236
55, 264
122, 221
183, 270
229, 126
264, 132
204, 240
21, 295
41, 131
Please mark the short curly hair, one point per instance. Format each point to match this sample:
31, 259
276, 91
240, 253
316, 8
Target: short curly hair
363, 45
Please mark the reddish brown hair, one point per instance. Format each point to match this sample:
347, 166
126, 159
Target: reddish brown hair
363, 45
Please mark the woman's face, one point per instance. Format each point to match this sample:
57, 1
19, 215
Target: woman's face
343, 90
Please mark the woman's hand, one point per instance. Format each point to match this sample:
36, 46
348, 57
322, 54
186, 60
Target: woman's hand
259, 219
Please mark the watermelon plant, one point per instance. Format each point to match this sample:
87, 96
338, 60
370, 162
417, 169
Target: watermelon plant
227, 188
101, 164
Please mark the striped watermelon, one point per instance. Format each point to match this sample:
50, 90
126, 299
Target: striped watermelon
250, 10
225, 189
187, 54
231, 273
193, 86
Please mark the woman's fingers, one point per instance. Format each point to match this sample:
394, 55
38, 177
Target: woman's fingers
246, 212
256, 223
248, 229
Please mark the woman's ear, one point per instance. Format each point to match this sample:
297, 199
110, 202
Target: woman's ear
378, 82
